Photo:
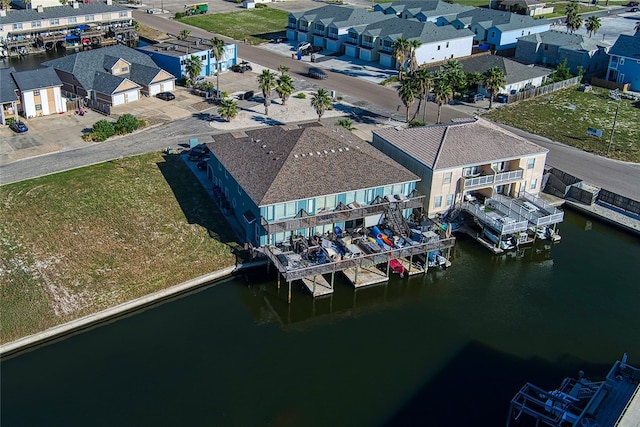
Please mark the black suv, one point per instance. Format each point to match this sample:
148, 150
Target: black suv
311, 50
242, 67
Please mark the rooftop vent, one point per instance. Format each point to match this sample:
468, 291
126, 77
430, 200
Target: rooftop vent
263, 145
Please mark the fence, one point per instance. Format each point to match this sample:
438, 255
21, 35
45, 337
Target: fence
542, 90
609, 85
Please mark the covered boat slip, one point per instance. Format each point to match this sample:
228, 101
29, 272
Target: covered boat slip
578, 402
360, 268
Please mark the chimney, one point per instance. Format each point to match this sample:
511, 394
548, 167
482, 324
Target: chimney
109, 2
75, 5
40, 9
3, 12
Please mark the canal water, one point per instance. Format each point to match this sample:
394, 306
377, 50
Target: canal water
447, 349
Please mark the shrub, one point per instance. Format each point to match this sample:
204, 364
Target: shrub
261, 5
102, 129
126, 123
10, 121
416, 123
179, 15
392, 79
301, 95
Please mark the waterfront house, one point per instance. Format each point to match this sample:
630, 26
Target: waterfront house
47, 26
422, 10
306, 179
40, 92
624, 61
518, 76
113, 75
464, 159
498, 29
173, 55
552, 47
9, 100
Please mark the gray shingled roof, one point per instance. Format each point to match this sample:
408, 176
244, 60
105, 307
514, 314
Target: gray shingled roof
514, 71
340, 16
459, 144
279, 164
36, 79
428, 7
564, 40
500, 19
627, 46
89, 67
27, 15
8, 87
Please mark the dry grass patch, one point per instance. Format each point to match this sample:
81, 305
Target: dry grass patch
78, 242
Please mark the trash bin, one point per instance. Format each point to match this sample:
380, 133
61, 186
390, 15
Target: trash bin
299, 56
313, 57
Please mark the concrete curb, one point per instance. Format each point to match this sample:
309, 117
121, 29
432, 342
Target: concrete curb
79, 325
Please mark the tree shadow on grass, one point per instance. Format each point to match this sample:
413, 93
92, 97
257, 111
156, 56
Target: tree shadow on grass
196, 204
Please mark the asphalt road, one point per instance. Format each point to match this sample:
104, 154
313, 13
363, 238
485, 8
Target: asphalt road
616, 176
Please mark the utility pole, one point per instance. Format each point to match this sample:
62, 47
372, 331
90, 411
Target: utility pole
614, 94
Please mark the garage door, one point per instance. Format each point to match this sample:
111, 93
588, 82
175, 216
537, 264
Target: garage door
132, 95
154, 89
118, 99
168, 86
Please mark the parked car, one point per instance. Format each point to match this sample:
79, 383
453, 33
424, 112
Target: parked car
303, 46
18, 127
199, 152
167, 96
475, 97
311, 50
634, 9
242, 67
317, 73
632, 3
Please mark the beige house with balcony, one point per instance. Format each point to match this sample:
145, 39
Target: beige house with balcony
464, 160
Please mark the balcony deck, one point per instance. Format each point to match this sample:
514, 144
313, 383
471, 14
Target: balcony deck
500, 178
495, 219
524, 209
332, 217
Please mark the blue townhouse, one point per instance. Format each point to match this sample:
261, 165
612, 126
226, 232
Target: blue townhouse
173, 55
624, 61
304, 180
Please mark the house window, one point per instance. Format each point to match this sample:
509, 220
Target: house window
447, 178
534, 184
531, 163
438, 47
449, 199
54, 21
36, 93
89, 18
621, 61
38, 107
546, 47
36, 24
17, 26
203, 57
123, 14
447, 44
437, 202
493, 34
73, 20
124, 69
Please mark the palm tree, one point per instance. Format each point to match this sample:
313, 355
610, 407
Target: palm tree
573, 23
217, 51
592, 24
494, 80
283, 69
267, 82
400, 48
184, 34
408, 91
452, 72
193, 67
320, 101
413, 62
443, 94
424, 78
228, 109
346, 123
285, 87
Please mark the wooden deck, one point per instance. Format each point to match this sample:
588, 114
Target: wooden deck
366, 276
478, 237
411, 270
317, 285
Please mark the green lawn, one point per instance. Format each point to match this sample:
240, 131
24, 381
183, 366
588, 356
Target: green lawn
256, 25
81, 241
565, 116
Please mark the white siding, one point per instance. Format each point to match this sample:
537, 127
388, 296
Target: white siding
443, 50
118, 99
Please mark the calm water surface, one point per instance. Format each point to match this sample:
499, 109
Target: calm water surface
447, 349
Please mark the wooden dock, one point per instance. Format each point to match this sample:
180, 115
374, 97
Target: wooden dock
478, 237
411, 270
364, 276
317, 285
